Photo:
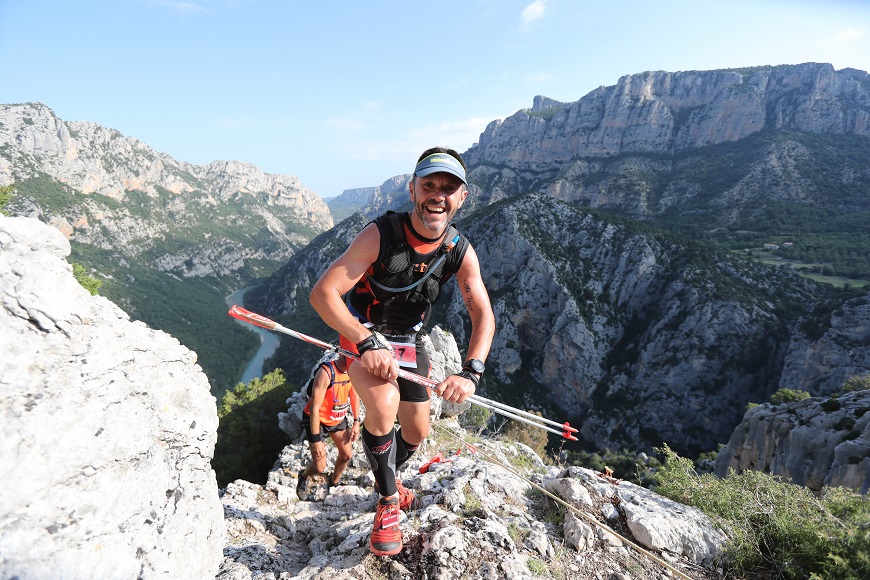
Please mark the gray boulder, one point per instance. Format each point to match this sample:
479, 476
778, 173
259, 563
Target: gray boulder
107, 429
815, 442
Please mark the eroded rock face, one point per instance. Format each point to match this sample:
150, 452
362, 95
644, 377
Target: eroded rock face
663, 112
107, 429
816, 442
820, 366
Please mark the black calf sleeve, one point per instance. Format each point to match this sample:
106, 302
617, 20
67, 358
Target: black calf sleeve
381, 453
404, 450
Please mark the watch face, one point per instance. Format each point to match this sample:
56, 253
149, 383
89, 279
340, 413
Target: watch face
475, 365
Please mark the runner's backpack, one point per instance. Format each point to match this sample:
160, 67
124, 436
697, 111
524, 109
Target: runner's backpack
324, 361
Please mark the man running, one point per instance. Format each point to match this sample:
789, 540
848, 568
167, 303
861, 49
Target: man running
392, 273
332, 409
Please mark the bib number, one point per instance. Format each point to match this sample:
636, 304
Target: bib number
405, 354
338, 412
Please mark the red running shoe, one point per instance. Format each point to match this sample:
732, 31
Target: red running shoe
386, 539
407, 500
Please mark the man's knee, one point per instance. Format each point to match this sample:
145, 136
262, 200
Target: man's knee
414, 434
381, 417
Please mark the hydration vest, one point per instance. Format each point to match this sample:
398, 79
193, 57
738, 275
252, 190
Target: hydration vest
398, 291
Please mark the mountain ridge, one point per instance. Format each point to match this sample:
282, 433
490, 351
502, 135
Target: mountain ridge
149, 226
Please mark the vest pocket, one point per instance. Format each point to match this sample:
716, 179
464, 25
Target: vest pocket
398, 263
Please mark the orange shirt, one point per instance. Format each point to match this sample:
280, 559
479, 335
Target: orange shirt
338, 400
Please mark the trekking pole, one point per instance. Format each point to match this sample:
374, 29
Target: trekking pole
565, 426
240, 313
564, 433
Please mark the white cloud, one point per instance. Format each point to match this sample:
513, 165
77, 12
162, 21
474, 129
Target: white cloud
459, 135
851, 34
180, 7
533, 12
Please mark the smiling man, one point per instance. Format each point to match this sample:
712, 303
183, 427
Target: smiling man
392, 273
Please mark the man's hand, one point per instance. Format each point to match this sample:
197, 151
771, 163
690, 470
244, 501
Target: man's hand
354, 432
380, 363
455, 389
318, 450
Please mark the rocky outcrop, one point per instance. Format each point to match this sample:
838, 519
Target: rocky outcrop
821, 365
478, 516
107, 430
815, 442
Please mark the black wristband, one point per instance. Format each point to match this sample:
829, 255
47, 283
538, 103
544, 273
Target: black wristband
373, 342
315, 437
467, 374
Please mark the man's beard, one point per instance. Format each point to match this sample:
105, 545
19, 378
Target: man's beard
430, 225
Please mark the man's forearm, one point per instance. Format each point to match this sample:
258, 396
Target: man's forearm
334, 313
482, 334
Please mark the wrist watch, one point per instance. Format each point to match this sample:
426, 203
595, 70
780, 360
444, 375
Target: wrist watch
474, 365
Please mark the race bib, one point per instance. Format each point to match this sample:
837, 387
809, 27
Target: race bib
338, 412
405, 353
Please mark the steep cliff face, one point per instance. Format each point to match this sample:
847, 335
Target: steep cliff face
821, 365
107, 430
646, 339
641, 145
815, 442
665, 112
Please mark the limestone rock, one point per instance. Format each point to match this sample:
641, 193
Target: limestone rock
815, 442
560, 146
820, 366
477, 518
662, 524
107, 430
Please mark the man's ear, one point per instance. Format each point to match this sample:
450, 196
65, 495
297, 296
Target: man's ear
462, 197
411, 188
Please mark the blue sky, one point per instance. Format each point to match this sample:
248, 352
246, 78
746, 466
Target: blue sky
347, 94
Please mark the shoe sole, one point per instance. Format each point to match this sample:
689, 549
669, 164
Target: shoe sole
385, 552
